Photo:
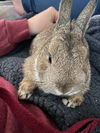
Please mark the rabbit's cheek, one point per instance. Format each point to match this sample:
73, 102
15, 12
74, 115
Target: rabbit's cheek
43, 66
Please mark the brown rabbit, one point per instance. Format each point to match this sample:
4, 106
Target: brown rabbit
59, 60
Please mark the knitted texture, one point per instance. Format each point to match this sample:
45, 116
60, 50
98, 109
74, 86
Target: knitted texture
64, 117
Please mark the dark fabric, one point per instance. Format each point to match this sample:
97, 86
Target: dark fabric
10, 65
18, 117
63, 117
39, 5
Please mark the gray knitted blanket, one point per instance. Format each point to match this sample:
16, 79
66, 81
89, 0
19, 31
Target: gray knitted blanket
11, 69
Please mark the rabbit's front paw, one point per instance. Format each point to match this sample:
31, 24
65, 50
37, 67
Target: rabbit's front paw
25, 90
73, 101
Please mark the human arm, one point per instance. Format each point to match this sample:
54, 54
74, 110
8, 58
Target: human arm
14, 32
42, 20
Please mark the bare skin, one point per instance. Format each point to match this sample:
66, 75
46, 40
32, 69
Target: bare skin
40, 21
46, 18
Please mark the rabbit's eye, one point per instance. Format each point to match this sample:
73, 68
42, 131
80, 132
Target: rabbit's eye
49, 58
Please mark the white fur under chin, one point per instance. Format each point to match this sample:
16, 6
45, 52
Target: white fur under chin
56, 92
72, 92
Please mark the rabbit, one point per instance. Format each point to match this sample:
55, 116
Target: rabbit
59, 58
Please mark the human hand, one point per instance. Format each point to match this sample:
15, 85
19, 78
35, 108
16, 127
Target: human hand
42, 20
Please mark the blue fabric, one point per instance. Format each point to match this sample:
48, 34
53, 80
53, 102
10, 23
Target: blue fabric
40, 5
78, 5
29, 5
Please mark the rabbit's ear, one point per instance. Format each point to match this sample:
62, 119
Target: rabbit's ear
83, 19
64, 12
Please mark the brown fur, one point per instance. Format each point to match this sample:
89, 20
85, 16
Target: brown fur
59, 60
